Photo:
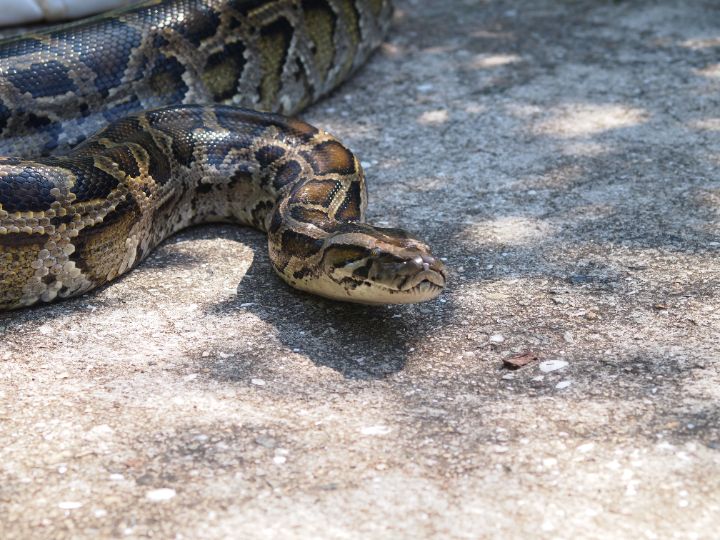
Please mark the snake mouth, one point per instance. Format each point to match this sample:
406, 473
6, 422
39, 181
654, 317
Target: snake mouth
421, 280
425, 279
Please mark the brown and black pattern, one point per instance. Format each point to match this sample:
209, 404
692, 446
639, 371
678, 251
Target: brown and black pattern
74, 219
59, 86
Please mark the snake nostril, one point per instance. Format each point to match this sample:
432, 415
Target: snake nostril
429, 260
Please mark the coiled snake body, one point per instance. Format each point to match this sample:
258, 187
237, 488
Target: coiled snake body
78, 210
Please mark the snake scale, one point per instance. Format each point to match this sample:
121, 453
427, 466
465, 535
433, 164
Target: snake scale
164, 82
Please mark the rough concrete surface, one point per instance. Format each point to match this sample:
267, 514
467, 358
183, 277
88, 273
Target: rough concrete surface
563, 156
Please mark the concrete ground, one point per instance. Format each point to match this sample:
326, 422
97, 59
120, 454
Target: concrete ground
563, 156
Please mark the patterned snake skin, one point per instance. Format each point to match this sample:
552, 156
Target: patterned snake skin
78, 210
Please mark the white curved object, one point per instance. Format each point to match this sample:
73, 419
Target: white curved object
29, 11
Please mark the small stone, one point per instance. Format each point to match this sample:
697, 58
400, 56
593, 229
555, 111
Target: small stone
279, 460
69, 505
159, 495
257, 382
519, 360
497, 338
265, 441
552, 365
375, 430
563, 384
101, 431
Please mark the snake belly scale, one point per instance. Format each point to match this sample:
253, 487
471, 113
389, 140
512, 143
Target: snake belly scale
128, 127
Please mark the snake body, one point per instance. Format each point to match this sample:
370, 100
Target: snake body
78, 210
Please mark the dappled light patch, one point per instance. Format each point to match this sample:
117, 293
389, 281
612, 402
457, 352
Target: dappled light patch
509, 230
706, 124
697, 44
711, 72
439, 116
485, 61
586, 119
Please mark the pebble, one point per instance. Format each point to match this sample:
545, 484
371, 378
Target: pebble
257, 382
279, 460
552, 365
375, 430
497, 338
69, 505
585, 447
563, 384
266, 441
162, 494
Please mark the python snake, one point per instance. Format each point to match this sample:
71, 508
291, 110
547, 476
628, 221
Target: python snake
167, 79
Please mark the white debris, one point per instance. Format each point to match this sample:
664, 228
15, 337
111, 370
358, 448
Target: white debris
552, 365
497, 338
563, 384
162, 494
257, 382
586, 447
69, 505
375, 430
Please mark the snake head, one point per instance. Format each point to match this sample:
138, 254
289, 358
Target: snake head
374, 265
